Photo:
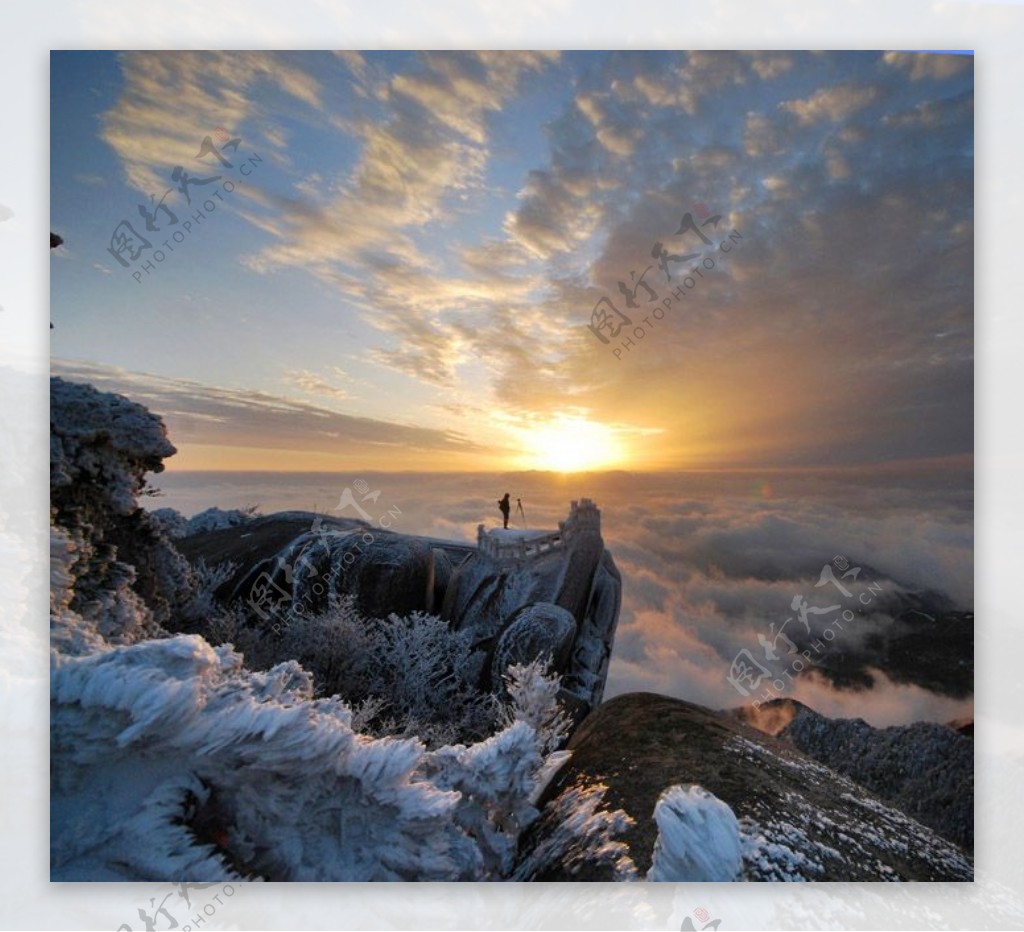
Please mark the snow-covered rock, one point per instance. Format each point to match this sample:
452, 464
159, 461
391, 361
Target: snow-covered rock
101, 447
487, 593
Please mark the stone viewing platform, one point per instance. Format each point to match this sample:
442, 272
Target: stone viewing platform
517, 545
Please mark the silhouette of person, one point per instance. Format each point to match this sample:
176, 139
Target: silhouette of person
506, 507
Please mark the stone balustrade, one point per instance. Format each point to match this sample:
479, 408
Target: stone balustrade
584, 517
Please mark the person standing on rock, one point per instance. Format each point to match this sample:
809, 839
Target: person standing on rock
506, 507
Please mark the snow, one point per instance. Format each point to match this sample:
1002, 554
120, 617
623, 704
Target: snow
144, 733
516, 533
698, 837
789, 839
216, 519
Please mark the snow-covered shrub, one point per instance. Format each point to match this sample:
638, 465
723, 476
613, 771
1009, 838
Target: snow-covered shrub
69, 633
533, 698
206, 580
101, 447
408, 677
428, 674
573, 832
176, 525
171, 522
114, 613
299, 795
698, 837
170, 760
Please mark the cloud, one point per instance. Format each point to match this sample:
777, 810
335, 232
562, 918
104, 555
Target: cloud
171, 100
211, 416
354, 61
426, 150
769, 66
929, 65
762, 136
705, 574
839, 331
709, 561
315, 385
429, 144
831, 103
552, 218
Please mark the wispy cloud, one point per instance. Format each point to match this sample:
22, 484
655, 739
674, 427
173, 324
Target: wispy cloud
214, 416
313, 384
929, 65
171, 100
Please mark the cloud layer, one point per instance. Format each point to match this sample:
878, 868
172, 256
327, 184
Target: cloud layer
710, 562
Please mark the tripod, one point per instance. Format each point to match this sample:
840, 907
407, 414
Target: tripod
519, 508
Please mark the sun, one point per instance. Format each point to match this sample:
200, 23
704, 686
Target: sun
571, 444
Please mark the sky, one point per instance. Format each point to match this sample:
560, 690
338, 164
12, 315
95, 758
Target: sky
426, 261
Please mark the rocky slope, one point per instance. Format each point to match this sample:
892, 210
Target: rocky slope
924, 769
798, 819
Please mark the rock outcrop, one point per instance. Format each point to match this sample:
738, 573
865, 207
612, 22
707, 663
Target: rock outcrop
521, 596
101, 447
570, 569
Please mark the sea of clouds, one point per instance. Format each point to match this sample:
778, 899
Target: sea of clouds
709, 560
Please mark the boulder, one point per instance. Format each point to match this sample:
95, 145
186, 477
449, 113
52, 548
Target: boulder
384, 572
536, 631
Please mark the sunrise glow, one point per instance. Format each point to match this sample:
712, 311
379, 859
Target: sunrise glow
571, 444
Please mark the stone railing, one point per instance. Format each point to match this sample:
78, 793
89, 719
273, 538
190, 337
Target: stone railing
518, 548
584, 517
